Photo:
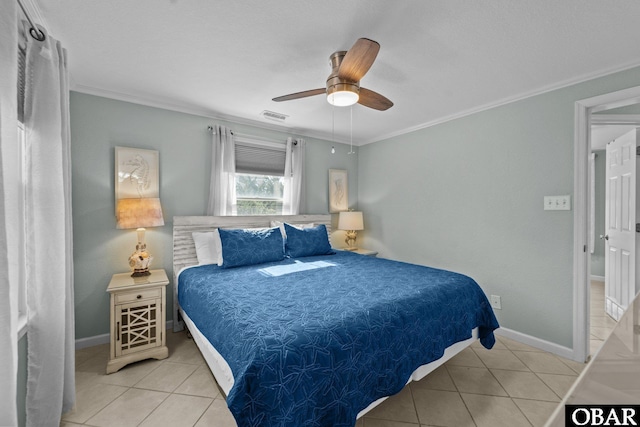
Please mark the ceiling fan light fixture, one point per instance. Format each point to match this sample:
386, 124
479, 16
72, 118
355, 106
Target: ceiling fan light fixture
343, 95
343, 98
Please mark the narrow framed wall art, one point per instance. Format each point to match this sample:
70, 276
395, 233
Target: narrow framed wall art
338, 191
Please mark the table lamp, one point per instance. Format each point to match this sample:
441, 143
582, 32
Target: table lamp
139, 213
351, 222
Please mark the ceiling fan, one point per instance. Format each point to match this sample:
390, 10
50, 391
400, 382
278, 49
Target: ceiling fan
343, 84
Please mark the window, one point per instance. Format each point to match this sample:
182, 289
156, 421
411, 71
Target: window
259, 177
22, 288
18, 176
259, 194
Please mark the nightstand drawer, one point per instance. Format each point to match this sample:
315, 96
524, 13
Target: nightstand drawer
122, 298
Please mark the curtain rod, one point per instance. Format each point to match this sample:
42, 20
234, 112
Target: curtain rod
247, 136
35, 32
211, 129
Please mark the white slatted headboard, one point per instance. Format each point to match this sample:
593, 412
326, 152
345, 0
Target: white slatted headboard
184, 251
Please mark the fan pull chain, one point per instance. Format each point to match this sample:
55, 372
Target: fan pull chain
333, 126
351, 131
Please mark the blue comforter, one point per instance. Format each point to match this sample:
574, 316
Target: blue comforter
313, 345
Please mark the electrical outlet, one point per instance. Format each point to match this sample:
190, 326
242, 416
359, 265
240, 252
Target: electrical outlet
496, 302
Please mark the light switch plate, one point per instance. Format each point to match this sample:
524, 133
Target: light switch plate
557, 203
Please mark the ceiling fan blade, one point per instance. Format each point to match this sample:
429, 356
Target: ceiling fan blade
303, 94
374, 100
358, 60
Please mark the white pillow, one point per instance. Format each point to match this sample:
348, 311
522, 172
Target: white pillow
298, 226
208, 247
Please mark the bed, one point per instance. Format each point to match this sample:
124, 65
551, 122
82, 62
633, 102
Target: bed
318, 339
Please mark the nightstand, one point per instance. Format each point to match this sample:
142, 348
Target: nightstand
137, 318
365, 252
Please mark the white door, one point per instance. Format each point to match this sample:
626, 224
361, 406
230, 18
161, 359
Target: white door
620, 217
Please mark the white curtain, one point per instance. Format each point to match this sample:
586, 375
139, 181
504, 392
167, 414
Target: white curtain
293, 197
222, 189
8, 190
49, 263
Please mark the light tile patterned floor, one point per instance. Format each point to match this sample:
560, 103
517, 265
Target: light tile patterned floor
511, 385
601, 323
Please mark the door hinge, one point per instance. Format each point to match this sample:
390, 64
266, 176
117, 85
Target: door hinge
584, 248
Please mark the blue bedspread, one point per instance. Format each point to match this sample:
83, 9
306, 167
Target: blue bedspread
315, 346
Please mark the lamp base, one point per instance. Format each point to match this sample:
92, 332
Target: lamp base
351, 236
350, 249
141, 273
140, 261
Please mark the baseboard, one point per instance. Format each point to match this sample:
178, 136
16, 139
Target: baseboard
104, 338
92, 341
541, 344
597, 278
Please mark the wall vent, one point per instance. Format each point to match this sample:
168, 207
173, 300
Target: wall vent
272, 115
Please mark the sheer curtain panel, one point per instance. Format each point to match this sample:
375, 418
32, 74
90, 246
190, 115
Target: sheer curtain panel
222, 189
293, 196
9, 185
49, 266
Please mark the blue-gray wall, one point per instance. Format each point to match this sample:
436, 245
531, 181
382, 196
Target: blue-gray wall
100, 250
467, 195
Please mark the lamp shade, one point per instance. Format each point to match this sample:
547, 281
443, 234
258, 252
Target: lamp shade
139, 213
350, 221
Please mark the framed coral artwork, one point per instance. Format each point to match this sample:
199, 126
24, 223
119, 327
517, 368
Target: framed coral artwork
338, 191
136, 172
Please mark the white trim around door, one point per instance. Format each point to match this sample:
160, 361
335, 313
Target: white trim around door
581, 256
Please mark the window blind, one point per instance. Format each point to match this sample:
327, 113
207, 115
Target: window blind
22, 65
259, 159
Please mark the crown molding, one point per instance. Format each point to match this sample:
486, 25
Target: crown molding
508, 100
202, 112
190, 109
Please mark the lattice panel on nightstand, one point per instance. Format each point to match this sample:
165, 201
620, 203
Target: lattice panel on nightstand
139, 326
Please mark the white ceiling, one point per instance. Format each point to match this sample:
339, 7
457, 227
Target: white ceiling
439, 59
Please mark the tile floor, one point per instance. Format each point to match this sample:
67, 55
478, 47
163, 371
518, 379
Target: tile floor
511, 385
601, 323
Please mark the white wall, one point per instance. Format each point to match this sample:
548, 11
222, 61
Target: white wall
597, 257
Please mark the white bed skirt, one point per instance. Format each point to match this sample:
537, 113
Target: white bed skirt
222, 372
219, 367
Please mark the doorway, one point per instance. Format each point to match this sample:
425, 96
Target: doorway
605, 134
581, 261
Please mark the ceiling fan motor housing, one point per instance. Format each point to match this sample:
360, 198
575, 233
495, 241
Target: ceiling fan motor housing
335, 83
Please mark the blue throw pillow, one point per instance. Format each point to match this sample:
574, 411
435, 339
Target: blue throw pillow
249, 247
307, 242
